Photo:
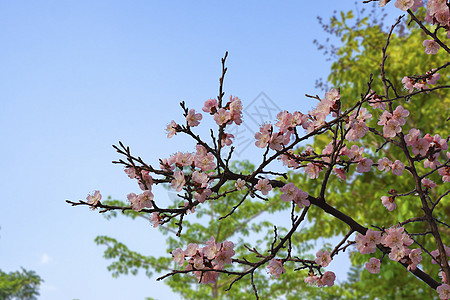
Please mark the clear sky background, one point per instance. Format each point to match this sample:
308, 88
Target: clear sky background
78, 76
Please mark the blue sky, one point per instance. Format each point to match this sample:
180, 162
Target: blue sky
78, 76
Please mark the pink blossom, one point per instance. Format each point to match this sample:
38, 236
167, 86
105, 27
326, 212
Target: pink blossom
443, 276
201, 195
436, 141
427, 183
240, 184
391, 128
211, 249
131, 197
200, 178
415, 256
203, 159
363, 115
138, 202
276, 141
373, 237
421, 85
156, 219
210, 106
384, 118
236, 110
289, 192
327, 151
289, 160
276, 268
357, 130
399, 114
312, 170
412, 137
191, 250
285, 121
264, 186
178, 181
164, 165
223, 258
340, 173
207, 277
298, 118
171, 129
431, 47
376, 101
397, 253
333, 95
404, 4
323, 258
197, 261
181, 159
226, 139
222, 116
417, 4
367, 243
364, 165
444, 291
94, 199
394, 237
389, 202
445, 173
442, 16
432, 79
142, 200
355, 153
432, 161
397, 168
437, 257
225, 254
327, 278
383, 2
322, 110
193, 119
344, 151
178, 256
301, 199
373, 266
384, 164
263, 136
312, 279
228, 246
131, 172
146, 182
408, 83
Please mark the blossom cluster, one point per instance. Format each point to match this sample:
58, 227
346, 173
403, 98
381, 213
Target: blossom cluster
397, 240
326, 279
94, 198
292, 193
392, 122
276, 267
323, 259
422, 82
144, 199
437, 13
214, 256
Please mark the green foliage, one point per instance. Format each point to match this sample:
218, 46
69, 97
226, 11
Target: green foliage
19, 285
